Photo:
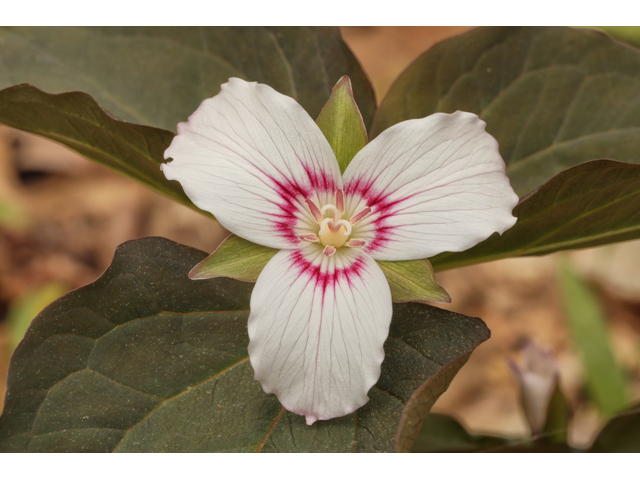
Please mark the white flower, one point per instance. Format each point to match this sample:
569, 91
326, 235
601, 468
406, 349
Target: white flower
321, 308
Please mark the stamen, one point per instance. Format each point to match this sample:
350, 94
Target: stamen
329, 250
315, 211
346, 224
323, 226
360, 215
340, 201
333, 208
355, 242
309, 237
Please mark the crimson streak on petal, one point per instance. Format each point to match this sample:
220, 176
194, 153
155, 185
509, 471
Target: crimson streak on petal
251, 157
317, 330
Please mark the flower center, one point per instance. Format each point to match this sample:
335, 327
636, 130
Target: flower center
334, 231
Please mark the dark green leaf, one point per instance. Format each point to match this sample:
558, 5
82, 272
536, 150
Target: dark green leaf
158, 76
77, 121
342, 124
590, 204
441, 433
420, 403
145, 359
620, 435
552, 97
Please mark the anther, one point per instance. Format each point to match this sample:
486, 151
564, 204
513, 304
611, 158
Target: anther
355, 242
360, 215
340, 201
315, 211
309, 237
329, 250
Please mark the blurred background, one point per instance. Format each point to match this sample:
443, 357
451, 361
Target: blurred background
62, 217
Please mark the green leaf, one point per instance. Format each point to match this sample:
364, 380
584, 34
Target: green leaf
22, 312
420, 403
413, 281
587, 205
342, 124
620, 434
441, 433
604, 377
77, 121
158, 76
552, 97
235, 258
626, 34
145, 359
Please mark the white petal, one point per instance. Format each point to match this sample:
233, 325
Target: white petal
436, 184
251, 157
317, 326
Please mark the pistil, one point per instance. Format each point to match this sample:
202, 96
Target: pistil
334, 231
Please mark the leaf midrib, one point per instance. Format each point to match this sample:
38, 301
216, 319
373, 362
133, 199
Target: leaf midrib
166, 400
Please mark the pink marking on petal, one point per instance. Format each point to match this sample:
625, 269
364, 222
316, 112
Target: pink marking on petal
323, 279
292, 194
358, 186
380, 204
354, 242
320, 180
329, 250
385, 208
340, 201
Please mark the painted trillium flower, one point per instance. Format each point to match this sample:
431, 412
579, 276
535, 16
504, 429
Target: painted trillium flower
321, 308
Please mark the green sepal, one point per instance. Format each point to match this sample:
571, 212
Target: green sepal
342, 124
413, 281
410, 281
235, 258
